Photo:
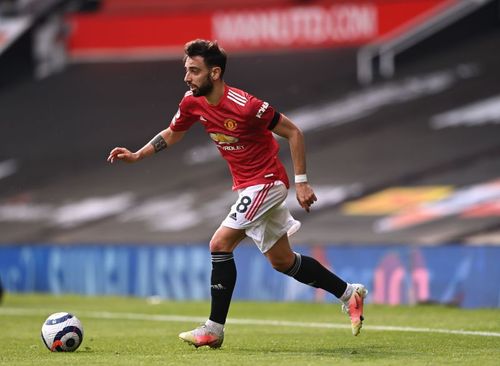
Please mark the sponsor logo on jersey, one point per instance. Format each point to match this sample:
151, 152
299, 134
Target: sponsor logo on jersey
223, 139
230, 124
232, 147
262, 109
225, 142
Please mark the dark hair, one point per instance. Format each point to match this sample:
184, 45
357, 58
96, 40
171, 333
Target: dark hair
212, 54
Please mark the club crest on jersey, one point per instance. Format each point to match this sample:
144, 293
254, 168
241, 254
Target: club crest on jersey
230, 124
223, 139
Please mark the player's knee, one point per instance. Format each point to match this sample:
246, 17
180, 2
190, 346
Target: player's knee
217, 245
281, 264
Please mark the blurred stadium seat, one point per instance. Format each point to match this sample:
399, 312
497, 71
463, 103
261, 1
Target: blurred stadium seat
361, 142
116, 6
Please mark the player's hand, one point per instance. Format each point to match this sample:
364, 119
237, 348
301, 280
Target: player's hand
123, 154
305, 195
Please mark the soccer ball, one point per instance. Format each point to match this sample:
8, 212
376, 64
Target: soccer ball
62, 332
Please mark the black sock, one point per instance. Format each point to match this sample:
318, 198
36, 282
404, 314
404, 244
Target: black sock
222, 285
309, 271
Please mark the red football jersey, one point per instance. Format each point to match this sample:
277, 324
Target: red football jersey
240, 125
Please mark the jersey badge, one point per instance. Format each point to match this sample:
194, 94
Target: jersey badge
176, 117
262, 109
230, 124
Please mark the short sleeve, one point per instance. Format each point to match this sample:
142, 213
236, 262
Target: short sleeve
183, 119
263, 112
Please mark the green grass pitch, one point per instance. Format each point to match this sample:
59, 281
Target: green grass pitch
133, 331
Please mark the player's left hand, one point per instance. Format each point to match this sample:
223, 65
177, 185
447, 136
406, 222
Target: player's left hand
305, 195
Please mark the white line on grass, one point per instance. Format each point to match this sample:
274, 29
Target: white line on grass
275, 323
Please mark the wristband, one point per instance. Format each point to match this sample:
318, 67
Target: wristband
301, 178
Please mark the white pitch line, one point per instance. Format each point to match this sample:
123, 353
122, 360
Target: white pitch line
263, 322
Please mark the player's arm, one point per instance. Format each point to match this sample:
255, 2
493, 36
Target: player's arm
287, 129
165, 138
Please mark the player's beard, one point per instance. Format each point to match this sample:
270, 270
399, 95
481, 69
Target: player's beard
204, 89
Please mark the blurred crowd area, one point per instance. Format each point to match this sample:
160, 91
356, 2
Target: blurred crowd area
11, 7
398, 100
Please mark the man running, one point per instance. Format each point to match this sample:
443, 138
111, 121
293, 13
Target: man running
242, 128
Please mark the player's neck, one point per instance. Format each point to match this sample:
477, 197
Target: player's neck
217, 93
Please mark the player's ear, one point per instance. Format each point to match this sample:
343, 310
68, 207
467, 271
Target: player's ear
215, 73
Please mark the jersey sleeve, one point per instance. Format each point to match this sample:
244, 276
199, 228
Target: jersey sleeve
183, 119
263, 113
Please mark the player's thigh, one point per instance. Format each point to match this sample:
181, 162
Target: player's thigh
225, 239
281, 255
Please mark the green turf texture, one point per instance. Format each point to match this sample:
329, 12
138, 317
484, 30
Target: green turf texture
146, 342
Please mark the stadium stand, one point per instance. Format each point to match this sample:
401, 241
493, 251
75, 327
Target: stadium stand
32, 36
372, 150
131, 6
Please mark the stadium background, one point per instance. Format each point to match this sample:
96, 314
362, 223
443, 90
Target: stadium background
404, 157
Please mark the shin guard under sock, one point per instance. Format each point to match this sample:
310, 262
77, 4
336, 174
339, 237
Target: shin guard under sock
222, 284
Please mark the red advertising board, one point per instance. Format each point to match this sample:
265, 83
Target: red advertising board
319, 24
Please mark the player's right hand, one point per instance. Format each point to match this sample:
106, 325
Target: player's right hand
123, 154
305, 195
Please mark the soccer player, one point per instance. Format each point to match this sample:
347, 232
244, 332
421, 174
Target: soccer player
241, 126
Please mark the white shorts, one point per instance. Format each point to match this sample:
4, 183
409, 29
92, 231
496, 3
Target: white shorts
261, 211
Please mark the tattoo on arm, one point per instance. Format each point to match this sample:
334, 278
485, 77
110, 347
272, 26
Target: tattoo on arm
159, 143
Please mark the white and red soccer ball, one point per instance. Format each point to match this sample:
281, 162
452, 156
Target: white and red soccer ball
62, 332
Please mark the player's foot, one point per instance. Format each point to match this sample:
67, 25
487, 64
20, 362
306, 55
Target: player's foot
202, 336
354, 307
